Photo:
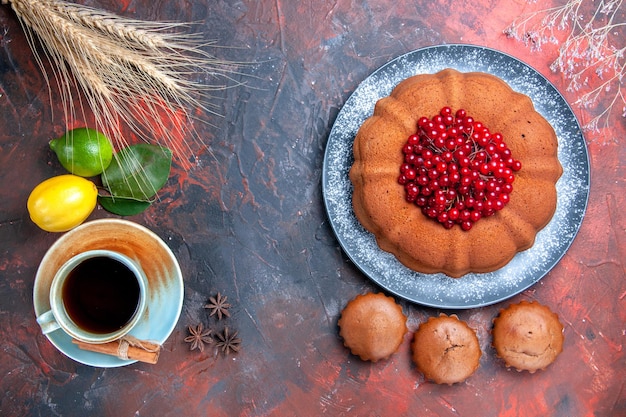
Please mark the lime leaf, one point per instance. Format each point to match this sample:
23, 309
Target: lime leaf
138, 171
123, 206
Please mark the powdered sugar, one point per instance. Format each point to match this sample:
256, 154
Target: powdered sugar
472, 290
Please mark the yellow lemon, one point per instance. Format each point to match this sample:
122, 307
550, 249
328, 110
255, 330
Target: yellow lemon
83, 151
61, 203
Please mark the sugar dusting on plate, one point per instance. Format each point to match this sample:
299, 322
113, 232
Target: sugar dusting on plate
472, 290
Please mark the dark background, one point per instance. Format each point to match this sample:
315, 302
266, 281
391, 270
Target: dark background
247, 219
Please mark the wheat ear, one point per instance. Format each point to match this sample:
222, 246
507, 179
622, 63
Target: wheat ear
131, 72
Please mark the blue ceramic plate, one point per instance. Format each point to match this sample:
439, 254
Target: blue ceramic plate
472, 290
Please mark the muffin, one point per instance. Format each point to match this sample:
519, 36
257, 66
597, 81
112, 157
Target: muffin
446, 349
372, 326
527, 336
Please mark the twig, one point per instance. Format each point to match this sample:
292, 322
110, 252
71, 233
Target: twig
588, 57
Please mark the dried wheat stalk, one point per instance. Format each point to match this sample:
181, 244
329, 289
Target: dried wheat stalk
134, 73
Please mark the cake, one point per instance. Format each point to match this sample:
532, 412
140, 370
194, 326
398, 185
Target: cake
372, 326
421, 240
527, 336
445, 349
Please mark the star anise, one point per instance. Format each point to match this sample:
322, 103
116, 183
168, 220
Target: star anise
198, 337
227, 341
219, 306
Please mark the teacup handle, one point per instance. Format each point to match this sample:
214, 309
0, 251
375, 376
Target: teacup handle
47, 322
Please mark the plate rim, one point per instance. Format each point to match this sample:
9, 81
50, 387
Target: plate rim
586, 178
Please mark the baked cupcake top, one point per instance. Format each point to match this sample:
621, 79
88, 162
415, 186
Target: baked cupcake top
372, 326
527, 336
446, 349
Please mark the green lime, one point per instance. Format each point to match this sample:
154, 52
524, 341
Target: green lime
83, 151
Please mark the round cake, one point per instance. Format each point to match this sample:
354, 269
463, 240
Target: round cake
372, 326
428, 240
527, 336
445, 349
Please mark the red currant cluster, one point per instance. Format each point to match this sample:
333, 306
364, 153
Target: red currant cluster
457, 171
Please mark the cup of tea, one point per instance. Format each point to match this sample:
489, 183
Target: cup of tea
97, 296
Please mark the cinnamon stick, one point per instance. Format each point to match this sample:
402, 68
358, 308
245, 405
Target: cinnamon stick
141, 351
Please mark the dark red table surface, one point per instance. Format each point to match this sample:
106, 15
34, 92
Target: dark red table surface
249, 221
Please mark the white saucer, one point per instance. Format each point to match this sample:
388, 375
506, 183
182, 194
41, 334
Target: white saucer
165, 281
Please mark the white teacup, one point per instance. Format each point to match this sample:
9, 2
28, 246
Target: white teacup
96, 297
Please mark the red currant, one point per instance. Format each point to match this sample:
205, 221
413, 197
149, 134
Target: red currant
456, 170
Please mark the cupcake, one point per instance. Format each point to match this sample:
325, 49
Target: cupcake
372, 326
527, 336
445, 349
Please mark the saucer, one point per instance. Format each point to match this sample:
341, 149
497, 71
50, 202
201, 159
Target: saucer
165, 281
